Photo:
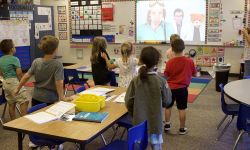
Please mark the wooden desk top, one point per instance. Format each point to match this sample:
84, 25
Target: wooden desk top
75, 131
239, 90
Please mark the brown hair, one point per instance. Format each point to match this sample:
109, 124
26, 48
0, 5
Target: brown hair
126, 50
178, 46
149, 57
99, 45
152, 4
174, 37
48, 44
6, 45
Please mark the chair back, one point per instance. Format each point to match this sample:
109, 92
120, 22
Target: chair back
138, 137
2, 97
80, 89
246, 77
71, 76
223, 102
247, 68
36, 107
112, 78
243, 121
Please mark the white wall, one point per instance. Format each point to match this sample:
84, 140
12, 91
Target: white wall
69, 55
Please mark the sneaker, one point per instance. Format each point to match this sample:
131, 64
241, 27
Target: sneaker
167, 127
183, 131
32, 145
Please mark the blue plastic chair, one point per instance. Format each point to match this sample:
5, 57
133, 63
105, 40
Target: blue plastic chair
125, 122
3, 102
137, 139
80, 89
243, 122
38, 140
71, 78
228, 109
112, 78
246, 77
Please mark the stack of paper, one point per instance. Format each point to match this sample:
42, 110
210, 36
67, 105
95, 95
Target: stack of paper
120, 98
97, 91
52, 113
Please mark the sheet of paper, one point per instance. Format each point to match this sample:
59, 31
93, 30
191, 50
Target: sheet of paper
110, 97
41, 117
120, 98
60, 108
97, 91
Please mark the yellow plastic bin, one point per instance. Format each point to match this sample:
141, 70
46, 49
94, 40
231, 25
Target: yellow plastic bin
89, 103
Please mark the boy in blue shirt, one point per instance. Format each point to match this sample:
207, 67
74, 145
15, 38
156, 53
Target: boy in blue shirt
11, 71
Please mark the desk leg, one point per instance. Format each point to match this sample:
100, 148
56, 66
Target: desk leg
20, 141
82, 146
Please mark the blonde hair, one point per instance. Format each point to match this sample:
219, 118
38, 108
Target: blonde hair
99, 45
174, 37
126, 50
48, 44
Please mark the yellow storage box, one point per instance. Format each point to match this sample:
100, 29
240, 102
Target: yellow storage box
89, 103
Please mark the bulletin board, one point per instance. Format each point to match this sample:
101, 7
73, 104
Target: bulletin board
225, 19
17, 30
122, 24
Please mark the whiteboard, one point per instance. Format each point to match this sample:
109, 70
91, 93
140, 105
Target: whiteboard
16, 30
123, 24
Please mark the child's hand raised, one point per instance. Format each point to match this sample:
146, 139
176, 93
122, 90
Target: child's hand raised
104, 56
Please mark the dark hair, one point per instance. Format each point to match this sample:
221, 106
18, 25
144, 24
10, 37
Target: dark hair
149, 57
6, 45
178, 46
179, 10
48, 44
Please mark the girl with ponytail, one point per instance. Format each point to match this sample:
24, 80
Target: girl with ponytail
147, 94
127, 64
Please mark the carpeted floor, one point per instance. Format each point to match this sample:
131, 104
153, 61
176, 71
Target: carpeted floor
202, 118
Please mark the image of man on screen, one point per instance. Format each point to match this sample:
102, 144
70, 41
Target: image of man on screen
179, 26
155, 28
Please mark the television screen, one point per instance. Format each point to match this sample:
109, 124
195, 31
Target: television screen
157, 20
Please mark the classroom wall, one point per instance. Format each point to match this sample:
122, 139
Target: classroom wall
69, 55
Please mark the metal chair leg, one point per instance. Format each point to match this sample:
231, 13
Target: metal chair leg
103, 139
4, 110
223, 119
238, 138
115, 132
124, 130
224, 129
18, 110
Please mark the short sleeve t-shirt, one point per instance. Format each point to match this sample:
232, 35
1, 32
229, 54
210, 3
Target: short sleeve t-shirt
46, 73
179, 71
8, 66
127, 70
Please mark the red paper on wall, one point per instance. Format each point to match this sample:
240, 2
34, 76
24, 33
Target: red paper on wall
107, 12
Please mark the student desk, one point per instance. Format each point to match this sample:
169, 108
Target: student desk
239, 91
76, 131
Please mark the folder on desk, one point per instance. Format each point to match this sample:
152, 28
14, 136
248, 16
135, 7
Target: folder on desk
91, 116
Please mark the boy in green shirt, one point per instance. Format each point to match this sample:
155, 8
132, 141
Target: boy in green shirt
11, 71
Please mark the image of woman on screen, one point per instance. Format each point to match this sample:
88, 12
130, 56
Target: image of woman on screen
155, 28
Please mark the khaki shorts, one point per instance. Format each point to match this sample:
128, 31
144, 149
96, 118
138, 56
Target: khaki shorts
9, 86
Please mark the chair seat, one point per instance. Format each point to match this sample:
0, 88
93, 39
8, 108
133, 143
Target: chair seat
40, 141
125, 122
116, 145
232, 109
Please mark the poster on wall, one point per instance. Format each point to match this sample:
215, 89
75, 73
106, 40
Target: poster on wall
61, 9
63, 36
17, 30
62, 26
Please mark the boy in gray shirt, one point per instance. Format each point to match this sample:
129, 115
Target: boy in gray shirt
48, 74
